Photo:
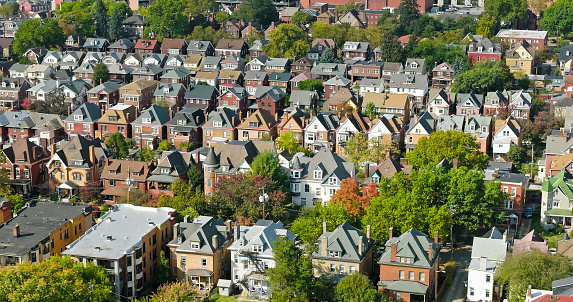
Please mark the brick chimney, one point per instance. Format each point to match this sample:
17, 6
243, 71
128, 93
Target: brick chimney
360, 245
393, 251
455, 163
52, 149
390, 232
403, 161
323, 245
324, 224
431, 251
16, 230
436, 237
92, 155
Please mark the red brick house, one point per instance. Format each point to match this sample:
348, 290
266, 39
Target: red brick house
201, 96
301, 65
105, 95
484, 50
334, 84
83, 121
229, 47
116, 172
138, 93
116, 119
271, 99
185, 127
366, 70
25, 165
356, 50
13, 92
306, 75
229, 79
33, 6
254, 79
235, 98
234, 28
256, 125
145, 46
173, 94
149, 127
175, 46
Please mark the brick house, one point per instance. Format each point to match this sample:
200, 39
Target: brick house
13, 92
442, 75
138, 94
301, 65
366, 70
359, 50
174, 46
334, 84
294, 122
185, 127
254, 79
469, 104
178, 75
537, 38
271, 99
228, 47
145, 46
319, 133
220, 126
147, 72
484, 50
281, 80
318, 46
256, 125
149, 128
305, 75
105, 95
83, 121
172, 94
25, 166
257, 48
201, 96
235, 98
229, 79
36, 54
116, 119
200, 48
171, 166
116, 172
96, 45
122, 45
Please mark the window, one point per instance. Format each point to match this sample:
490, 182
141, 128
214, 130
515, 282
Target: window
471, 291
422, 277
257, 248
245, 134
236, 258
77, 176
411, 275
513, 192
318, 191
86, 127
333, 268
352, 269
488, 278
245, 264
402, 275
204, 262
194, 245
137, 129
88, 176
295, 174
334, 254
295, 187
317, 173
487, 293
342, 271
70, 126
332, 181
26, 173
183, 261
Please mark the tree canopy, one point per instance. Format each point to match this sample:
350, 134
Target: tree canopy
350, 197
266, 164
358, 288
101, 74
312, 85
308, 225
408, 11
557, 18
301, 17
506, 11
166, 19
38, 32
287, 41
484, 77
100, 19
118, 145
262, 11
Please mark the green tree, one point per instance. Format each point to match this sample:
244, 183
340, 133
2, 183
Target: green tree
178, 291
100, 19
118, 145
450, 145
287, 41
459, 66
517, 155
308, 225
56, 279
147, 154
101, 74
328, 56
425, 26
77, 16
38, 32
166, 19
164, 145
195, 177
468, 24
487, 26
287, 141
408, 11
187, 199
8, 9
534, 268
483, 78
359, 150
222, 17
267, 164
200, 8
291, 279
162, 271
370, 110
390, 49
557, 18
357, 288
208, 34
301, 17
116, 25
312, 85
262, 11
506, 11
348, 6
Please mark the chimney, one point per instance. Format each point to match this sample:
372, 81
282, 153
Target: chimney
228, 227
206, 116
233, 121
483, 263
360, 245
323, 245
187, 219
403, 161
69, 110
324, 227
16, 230
455, 163
127, 117
215, 241
92, 155
237, 231
393, 251
436, 237
176, 230
184, 149
390, 232
197, 120
505, 235
368, 227
528, 294
52, 149
430, 251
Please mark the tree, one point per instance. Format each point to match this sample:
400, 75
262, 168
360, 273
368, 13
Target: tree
370, 110
90, 192
537, 130
537, 6
348, 6
291, 279
348, 195
187, 198
137, 197
360, 151
53, 103
328, 56
147, 154
56, 279
266, 164
201, 8
308, 225
222, 17
116, 25
287, 41
162, 271
288, 142
557, 18
38, 32
408, 11
8, 9
101, 74
506, 11
459, 66
390, 49
166, 19
450, 145
312, 85
516, 154
357, 288
301, 17
100, 19
118, 145
76, 17
262, 11
534, 268
487, 26
164, 145
468, 24
483, 78
195, 177
178, 291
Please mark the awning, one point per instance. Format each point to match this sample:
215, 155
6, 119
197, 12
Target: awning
559, 212
162, 178
115, 191
199, 272
19, 182
69, 185
405, 286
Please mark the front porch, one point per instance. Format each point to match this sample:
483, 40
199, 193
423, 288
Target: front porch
559, 217
258, 286
201, 279
406, 290
67, 190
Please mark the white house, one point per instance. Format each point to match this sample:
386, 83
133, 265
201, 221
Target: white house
439, 102
506, 136
371, 85
488, 252
252, 254
320, 132
557, 199
315, 180
413, 84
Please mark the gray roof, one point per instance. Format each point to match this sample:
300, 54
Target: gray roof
95, 42
329, 69
176, 73
126, 224
273, 91
150, 69
19, 67
215, 61
122, 44
356, 46
224, 115
566, 102
203, 92
561, 285
202, 230
557, 144
109, 86
426, 120
90, 113
37, 220
76, 85
470, 100
412, 244
134, 20
451, 122
329, 162
156, 113
409, 81
265, 233
187, 117
565, 53
87, 67
176, 161
303, 97
344, 239
493, 247
421, 65
168, 89
280, 76
198, 45
255, 75
77, 149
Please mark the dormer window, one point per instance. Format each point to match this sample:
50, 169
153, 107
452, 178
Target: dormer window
195, 245
78, 162
334, 254
146, 120
78, 117
317, 173
166, 90
404, 259
332, 181
164, 170
180, 122
3, 84
217, 124
414, 65
480, 49
472, 127
257, 248
253, 124
112, 118
376, 179
490, 49
295, 174
12, 85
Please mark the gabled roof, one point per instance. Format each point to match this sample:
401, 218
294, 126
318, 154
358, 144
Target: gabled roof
156, 114
89, 112
386, 100
198, 45
256, 75
224, 115
451, 122
470, 100
274, 92
173, 43
230, 44
330, 163
344, 239
264, 233
187, 117
303, 97
264, 119
168, 89
439, 93
135, 20
26, 151
176, 73
426, 120
176, 161
95, 42
492, 246
150, 69
234, 153
409, 81
328, 120
76, 151
412, 244
203, 230
109, 86
122, 44
360, 122
337, 81
120, 169
146, 44
386, 169
203, 92
445, 66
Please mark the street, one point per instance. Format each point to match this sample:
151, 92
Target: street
457, 290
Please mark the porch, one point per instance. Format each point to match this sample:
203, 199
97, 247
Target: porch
258, 286
201, 279
559, 217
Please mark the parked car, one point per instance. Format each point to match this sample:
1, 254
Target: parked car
528, 212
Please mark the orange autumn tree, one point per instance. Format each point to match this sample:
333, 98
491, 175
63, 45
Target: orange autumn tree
348, 195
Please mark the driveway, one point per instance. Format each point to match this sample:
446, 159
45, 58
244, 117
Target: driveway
457, 290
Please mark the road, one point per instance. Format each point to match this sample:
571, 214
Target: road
457, 290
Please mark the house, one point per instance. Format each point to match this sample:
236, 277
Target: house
200, 251
556, 199
48, 237
318, 46
25, 166
257, 48
228, 158
442, 75
74, 42
85, 71
122, 45
294, 121
414, 66
145, 46
177, 75
415, 254
287, 13
133, 27
96, 44
271, 27
329, 70
122, 240
537, 38
77, 163
520, 58
531, 241
228, 47
507, 134
469, 104
304, 75
149, 128
488, 252
233, 62
366, 70
220, 126
301, 65
138, 94
521, 103
388, 130
172, 165
512, 184
157, 59
41, 128
40, 91
193, 63
116, 119
451, 122
320, 132
185, 127
229, 79
93, 57
71, 60
439, 102
388, 103
412, 84
342, 102
172, 94
484, 50
174, 46
304, 100
334, 84
252, 29
173, 61
36, 54
105, 95
480, 127
18, 70
115, 174
235, 98
257, 63
352, 18
344, 251
252, 254
390, 68
496, 100
33, 6
52, 58
270, 98
13, 92
420, 126
147, 72
254, 79
211, 64
386, 169
234, 28
37, 73
257, 125
83, 121
201, 96
348, 127
360, 50
200, 48
277, 65
209, 77
120, 72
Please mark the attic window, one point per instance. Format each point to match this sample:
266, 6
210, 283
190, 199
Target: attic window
194, 245
78, 162
414, 65
217, 124
180, 122
146, 120
404, 259
166, 90
472, 127
334, 254
3, 84
78, 117
317, 173
332, 181
295, 174
12, 85
164, 170
257, 248
112, 118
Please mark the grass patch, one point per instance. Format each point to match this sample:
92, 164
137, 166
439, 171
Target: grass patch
219, 298
552, 236
450, 268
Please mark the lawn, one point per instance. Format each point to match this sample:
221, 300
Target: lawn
552, 236
218, 298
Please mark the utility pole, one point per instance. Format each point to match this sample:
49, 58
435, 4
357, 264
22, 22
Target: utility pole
129, 182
